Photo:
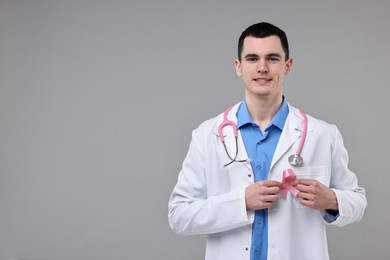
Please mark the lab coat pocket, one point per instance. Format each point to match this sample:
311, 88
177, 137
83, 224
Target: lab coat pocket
319, 173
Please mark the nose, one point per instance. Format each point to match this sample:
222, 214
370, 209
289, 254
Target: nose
262, 66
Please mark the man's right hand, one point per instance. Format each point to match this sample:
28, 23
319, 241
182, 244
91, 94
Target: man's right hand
262, 194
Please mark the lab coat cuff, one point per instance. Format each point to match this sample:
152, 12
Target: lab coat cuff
328, 217
249, 214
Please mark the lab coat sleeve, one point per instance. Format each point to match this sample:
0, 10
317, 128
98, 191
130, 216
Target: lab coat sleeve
351, 198
191, 209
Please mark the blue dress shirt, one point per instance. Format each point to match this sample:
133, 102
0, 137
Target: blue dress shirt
260, 149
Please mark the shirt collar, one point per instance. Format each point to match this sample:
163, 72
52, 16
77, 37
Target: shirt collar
243, 116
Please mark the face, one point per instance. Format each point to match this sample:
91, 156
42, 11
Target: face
263, 67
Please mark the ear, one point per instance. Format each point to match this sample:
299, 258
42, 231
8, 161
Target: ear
237, 66
289, 64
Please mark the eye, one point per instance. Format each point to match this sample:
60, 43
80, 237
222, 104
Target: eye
251, 59
274, 59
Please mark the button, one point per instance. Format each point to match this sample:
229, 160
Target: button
246, 248
249, 175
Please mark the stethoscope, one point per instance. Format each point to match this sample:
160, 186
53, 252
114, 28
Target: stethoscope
294, 159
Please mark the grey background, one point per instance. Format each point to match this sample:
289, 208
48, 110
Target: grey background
98, 100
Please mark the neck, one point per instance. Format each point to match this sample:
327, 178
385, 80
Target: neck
263, 110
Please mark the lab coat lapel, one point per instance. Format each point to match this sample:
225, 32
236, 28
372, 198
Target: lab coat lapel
292, 131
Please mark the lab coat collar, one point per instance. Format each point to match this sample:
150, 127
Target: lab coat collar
291, 133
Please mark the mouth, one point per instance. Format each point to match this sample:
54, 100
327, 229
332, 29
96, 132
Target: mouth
262, 80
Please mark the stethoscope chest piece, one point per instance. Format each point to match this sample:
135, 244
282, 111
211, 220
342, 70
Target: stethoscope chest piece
295, 160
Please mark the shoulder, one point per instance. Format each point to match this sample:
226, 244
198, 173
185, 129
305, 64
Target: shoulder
316, 125
208, 125
319, 124
295, 112
211, 125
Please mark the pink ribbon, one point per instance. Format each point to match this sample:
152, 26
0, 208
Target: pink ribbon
288, 178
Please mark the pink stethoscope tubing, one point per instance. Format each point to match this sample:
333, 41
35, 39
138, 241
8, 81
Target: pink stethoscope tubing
295, 159
299, 150
227, 122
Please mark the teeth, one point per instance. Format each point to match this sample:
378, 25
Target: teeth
262, 81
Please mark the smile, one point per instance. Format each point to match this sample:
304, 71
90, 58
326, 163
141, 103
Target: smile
262, 80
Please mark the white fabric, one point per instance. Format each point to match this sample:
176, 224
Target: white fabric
210, 199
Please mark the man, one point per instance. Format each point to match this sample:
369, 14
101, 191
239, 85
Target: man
245, 193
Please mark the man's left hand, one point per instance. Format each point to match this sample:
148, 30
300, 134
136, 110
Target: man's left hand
316, 195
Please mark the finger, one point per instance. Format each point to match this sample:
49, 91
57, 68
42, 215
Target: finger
270, 198
266, 205
263, 205
306, 196
272, 190
306, 182
273, 184
269, 204
304, 188
307, 203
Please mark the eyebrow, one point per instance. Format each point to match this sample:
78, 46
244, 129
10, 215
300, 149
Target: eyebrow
274, 55
252, 55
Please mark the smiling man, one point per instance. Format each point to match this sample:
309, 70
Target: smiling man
263, 179
262, 66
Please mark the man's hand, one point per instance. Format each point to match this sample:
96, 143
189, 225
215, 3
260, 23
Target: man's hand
262, 194
315, 195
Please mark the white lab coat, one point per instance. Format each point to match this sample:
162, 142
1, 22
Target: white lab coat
210, 198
